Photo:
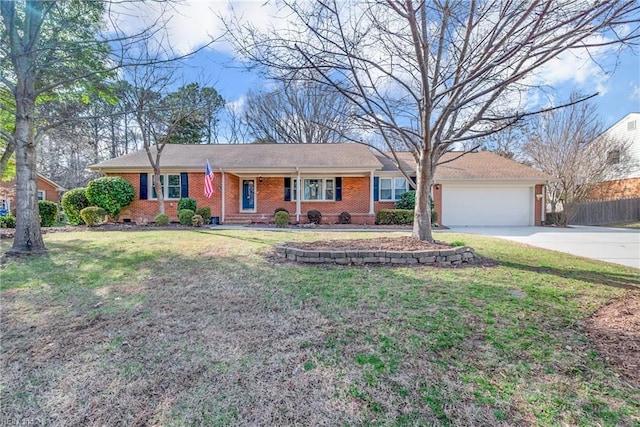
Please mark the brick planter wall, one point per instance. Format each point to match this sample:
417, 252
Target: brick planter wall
441, 257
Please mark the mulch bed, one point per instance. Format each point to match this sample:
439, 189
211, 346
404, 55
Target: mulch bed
381, 244
615, 329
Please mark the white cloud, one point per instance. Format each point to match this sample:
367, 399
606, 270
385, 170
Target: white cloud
237, 106
634, 95
192, 23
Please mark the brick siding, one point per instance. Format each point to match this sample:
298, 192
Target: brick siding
618, 189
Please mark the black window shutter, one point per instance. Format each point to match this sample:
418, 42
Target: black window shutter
376, 188
184, 184
287, 189
144, 190
413, 178
338, 188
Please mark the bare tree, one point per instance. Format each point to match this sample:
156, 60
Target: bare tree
506, 143
432, 74
236, 130
165, 116
298, 112
565, 144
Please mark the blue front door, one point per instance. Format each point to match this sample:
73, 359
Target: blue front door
248, 195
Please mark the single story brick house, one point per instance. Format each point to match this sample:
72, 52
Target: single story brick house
47, 190
252, 180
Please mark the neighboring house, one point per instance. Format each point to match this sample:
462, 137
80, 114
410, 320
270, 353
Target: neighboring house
625, 182
252, 180
47, 190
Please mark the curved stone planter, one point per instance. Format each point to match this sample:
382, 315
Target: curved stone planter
440, 257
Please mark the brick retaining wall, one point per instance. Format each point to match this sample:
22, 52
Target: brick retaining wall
441, 257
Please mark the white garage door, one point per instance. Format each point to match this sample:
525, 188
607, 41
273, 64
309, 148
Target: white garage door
496, 206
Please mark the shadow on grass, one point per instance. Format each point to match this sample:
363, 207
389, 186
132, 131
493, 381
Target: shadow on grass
617, 280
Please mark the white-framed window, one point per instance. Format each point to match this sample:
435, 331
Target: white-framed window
170, 184
613, 157
322, 189
42, 195
390, 189
5, 204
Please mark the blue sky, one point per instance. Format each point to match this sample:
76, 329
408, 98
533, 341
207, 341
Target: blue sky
194, 22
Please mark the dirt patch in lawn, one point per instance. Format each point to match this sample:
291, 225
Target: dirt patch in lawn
615, 329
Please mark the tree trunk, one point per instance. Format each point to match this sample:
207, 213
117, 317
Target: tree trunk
28, 236
422, 213
158, 187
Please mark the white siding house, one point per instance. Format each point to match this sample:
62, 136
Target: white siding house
626, 132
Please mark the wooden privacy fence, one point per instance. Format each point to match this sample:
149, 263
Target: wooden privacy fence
603, 212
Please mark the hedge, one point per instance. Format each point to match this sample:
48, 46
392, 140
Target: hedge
73, 201
394, 217
48, 213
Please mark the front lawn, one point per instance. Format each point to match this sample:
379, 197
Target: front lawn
206, 327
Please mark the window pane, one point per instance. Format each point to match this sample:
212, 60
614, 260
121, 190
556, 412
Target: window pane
294, 190
401, 187
312, 189
174, 187
328, 189
153, 187
385, 188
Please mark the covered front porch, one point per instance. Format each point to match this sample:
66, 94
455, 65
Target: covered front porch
253, 196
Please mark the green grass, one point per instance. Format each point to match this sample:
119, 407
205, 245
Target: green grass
635, 225
203, 328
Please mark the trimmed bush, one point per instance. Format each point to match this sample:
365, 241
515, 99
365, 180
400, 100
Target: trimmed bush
280, 210
314, 216
161, 219
186, 216
73, 201
281, 219
111, 193
407, 200
205, 213
187, 203
555, 218
345, 218
197, 221
394, 217
48, 213
93, 215
8, 221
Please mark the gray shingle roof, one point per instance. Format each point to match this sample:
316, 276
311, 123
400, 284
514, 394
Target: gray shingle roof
251, 156
476, 166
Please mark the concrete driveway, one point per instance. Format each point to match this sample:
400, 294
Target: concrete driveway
616, 245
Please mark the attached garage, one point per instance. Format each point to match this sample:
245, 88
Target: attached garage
487, 205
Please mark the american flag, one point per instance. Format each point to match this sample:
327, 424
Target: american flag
208, 181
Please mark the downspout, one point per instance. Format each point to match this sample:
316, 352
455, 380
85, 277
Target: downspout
371, 198
222, 193
543, 208
298, 204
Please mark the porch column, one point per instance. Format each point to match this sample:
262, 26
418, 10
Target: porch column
298, 196
222, 196
371, 203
